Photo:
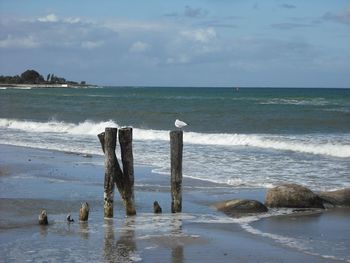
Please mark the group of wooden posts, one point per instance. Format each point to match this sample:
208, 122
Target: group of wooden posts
123, 177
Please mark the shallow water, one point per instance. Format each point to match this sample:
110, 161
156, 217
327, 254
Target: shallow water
59, 182
254, 138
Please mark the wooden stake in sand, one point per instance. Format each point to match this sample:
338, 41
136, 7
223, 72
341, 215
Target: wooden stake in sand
176, 147
43, 218
126, 182
113, 173
84, 212
110, 140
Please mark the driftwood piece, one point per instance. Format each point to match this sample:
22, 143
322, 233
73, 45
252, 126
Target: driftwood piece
176, 147
124, 179
127, 180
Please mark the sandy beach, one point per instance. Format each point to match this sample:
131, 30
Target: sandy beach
33, 179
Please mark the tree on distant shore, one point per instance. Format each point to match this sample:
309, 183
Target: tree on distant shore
31, 76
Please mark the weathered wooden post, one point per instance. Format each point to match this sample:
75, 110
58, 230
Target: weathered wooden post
176, 146
110, 140
113, 173
43, 218
127, 182
84, 212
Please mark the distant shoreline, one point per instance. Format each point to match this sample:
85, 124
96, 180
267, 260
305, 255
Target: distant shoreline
64, 85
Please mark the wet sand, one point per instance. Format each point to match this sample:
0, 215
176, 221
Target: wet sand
33, 179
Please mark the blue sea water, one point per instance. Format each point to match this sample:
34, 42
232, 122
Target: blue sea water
249, 138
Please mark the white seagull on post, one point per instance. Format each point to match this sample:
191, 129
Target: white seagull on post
180, 124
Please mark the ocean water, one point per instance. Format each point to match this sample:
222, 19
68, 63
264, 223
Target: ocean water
251, 138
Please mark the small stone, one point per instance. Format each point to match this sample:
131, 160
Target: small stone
69, 219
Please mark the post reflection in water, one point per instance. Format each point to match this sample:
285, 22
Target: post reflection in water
109, 241
126, 245
122, 250
177, 250
84, 230
43, 230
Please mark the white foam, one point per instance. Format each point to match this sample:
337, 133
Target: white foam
291, 101
295, 144
84, 128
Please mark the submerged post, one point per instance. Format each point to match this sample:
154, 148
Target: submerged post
127, 180
109, 144
176, 146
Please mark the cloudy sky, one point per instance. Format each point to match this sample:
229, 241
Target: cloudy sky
180, 43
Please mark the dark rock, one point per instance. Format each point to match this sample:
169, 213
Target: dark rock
336, 198
156, 208
292, 195
69, 219
237, 207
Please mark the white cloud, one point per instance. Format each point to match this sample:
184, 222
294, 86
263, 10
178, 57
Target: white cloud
139, 47
180, 59
91, 44
49, 18
18, 42
200, 35
72, 20
52, 18
133, 26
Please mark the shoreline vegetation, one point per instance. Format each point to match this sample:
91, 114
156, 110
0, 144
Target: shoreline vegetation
33, 79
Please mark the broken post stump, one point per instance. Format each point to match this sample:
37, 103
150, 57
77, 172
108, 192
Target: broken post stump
127, 180
43, 218
110, 140
84, 212
157, 208
176, 147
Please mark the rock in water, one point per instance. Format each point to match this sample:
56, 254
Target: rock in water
43, 218
156, 208
69, 219
84, 212
336, 198
292, 195
239, 207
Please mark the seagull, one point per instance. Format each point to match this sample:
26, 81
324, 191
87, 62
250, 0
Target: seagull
180, 124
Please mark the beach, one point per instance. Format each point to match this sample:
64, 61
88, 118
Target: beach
238, 144
35, 179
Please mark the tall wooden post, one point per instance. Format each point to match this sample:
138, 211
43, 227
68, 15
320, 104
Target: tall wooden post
176, 147
109, 144
124, 179
125, 141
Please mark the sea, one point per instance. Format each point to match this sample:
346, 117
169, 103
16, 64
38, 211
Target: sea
244, 138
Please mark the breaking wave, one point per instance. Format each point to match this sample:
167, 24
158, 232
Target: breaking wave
303, 144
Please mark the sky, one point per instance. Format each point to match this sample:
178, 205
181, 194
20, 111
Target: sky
205, 43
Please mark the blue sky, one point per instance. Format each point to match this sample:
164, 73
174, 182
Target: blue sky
266, 43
